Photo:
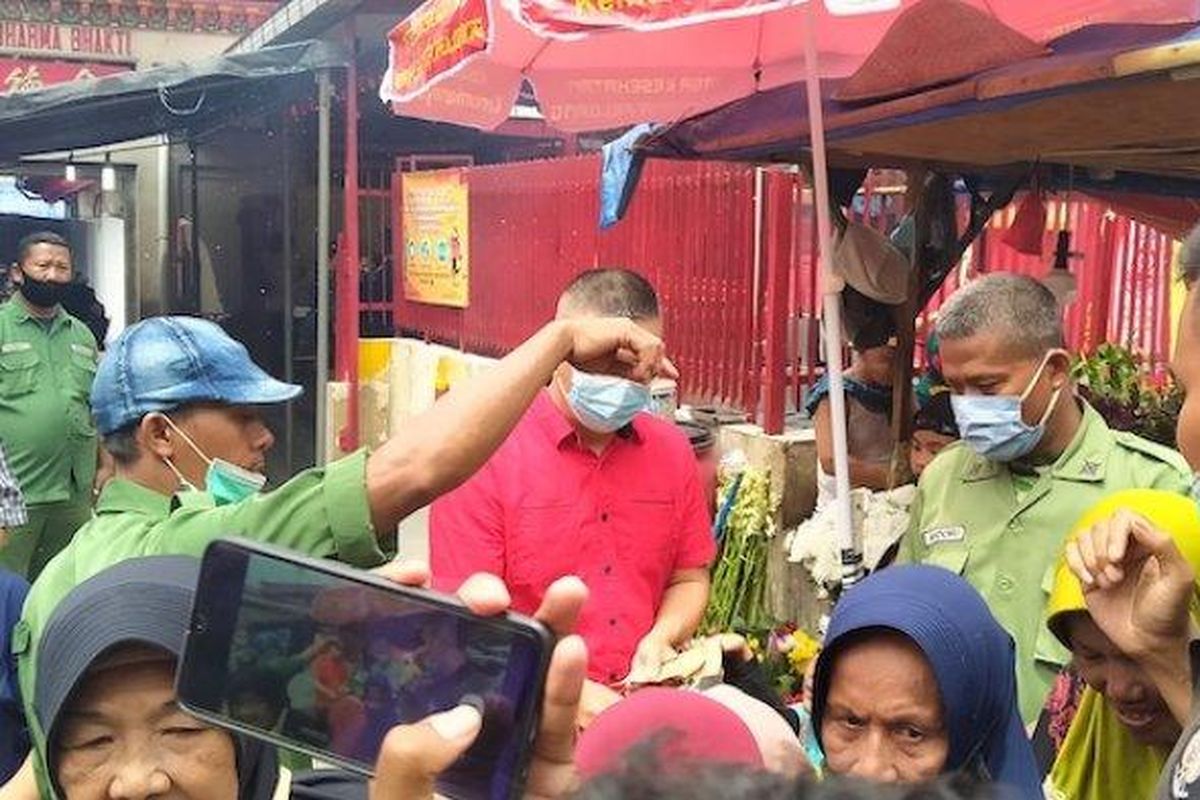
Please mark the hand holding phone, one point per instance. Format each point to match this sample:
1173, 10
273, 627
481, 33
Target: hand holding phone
410, 760
409, 773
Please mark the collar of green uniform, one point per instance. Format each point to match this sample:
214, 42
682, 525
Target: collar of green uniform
121, 495
21, 313
1085, 459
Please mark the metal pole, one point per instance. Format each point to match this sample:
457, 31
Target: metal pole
779, 251
346, 317
324, 90
851, 555
165, 235
191, 286
289, 370
754, 382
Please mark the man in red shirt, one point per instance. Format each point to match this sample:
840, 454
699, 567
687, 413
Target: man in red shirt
588, 485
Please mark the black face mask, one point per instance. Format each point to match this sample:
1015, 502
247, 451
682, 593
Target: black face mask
43, 294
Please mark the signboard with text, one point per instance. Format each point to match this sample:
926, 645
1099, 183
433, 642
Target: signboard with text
18, 75
436, 237
435, 41
72, 41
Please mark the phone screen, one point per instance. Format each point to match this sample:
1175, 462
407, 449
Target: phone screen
314, 656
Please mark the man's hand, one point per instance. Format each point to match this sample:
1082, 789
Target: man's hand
413, 756
652, 652
614, 346
735, 646
1136, 582
597, 698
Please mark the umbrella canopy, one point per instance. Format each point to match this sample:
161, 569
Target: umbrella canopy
601, 64
774, 124
1055, 109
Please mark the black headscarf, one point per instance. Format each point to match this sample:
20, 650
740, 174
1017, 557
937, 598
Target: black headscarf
143, 601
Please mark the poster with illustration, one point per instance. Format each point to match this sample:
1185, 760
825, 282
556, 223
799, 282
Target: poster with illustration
434, 221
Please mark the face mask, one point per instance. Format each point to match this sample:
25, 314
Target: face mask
992, 425
43, 294
603, 403
227, 483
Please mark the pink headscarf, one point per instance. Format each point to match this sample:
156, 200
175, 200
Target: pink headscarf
686, 726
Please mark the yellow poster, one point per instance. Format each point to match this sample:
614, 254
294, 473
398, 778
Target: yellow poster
434, 219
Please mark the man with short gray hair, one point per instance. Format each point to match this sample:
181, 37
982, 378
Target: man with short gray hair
1033, 457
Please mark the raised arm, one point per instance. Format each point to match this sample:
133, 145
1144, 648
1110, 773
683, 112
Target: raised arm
438, 450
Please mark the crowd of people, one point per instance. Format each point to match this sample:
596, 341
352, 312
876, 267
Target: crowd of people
1035, 638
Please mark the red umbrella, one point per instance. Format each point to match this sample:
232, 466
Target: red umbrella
602, 64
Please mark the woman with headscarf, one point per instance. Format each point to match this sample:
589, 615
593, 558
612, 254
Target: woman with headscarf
1122, 729
916, 680
105, 696
108, 723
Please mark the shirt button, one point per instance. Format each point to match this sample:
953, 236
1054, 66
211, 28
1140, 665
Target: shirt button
613, 622
612, 677
604, 517
607, 569
1005, 583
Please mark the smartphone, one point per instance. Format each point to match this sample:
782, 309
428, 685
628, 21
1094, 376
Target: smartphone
324, 659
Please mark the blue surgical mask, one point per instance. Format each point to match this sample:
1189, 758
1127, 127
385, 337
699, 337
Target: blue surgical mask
603, 403
992, 425
225, 482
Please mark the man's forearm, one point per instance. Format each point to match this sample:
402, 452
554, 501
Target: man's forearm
682, 608
441, 448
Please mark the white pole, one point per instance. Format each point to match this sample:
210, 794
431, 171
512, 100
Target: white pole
847, 541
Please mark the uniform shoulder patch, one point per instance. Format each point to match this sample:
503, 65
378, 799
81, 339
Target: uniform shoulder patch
1187, 771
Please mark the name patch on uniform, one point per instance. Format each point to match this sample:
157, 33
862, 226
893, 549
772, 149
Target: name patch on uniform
951, 533
16, 347
83, 350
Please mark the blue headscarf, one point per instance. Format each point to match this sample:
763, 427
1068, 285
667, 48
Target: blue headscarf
972, 659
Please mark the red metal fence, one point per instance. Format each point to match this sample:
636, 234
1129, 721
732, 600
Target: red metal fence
691, 229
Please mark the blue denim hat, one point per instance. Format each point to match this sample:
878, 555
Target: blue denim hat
163, 363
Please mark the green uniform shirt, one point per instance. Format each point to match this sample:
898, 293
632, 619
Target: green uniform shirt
970, 518
46, 372
321, 513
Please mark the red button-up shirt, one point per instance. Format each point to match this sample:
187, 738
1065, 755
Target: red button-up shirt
546, 506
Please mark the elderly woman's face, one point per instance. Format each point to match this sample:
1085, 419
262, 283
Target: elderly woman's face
1126, 687
883, 718
123, 736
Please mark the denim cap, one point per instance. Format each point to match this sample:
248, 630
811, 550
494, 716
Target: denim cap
162, 363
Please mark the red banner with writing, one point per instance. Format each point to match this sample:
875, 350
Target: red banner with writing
434, 41
19, 75
559, 18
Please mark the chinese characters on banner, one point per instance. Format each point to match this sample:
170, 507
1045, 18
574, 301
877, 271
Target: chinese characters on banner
434, 41
19, 75
435, 222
